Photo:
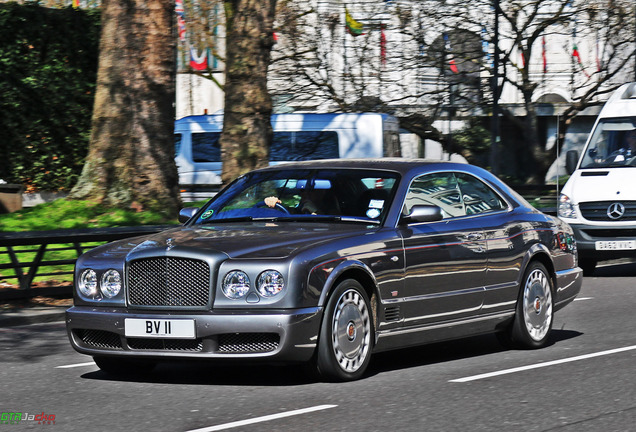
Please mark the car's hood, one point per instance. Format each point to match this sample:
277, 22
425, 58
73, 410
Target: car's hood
235, 240
615, 184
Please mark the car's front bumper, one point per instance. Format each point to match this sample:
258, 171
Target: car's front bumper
288, 335
587, 235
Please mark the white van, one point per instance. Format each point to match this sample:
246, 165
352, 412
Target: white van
296, 137
599, 199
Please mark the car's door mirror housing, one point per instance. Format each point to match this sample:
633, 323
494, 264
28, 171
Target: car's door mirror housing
423, 213
571, 159
186, 213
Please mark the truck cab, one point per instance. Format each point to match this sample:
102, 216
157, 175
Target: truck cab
599, 199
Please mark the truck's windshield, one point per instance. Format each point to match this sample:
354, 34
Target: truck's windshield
613, 144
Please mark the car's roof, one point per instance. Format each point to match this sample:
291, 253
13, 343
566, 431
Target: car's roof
400, 165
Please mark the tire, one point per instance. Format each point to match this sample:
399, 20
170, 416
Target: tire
346, 334
534, 311
118, 366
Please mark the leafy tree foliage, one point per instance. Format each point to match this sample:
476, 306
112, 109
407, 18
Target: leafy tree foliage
48, 65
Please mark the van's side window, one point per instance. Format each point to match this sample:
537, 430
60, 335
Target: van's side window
177, 144
205, 147
304, 145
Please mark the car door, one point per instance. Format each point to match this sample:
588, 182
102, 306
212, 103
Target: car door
504, 237
445, 261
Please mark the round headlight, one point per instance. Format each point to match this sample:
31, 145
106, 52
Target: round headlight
566, 207
87, 283
270, 283
111, 283
236, 284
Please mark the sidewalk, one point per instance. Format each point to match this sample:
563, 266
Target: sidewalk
32, 315
33, 311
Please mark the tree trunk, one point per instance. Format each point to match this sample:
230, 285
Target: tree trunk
247, 130
130, 162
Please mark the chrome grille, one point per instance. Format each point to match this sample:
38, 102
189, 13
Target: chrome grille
169, 282
243, 343
597, 211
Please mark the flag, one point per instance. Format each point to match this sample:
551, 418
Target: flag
543, 56
523, 57
353, 27
575, 51
199, 63
382, 45
577, 56
181, 25
447, 48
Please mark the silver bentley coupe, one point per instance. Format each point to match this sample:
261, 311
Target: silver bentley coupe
325, 263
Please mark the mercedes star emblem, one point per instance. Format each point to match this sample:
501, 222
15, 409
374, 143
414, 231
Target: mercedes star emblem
616, 211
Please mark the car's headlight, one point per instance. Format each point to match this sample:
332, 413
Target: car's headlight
236, 284
270, 283
566, 207
111, 283
87, 283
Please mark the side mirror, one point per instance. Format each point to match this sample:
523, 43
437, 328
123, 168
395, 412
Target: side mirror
186, 213
571, 159
423, 213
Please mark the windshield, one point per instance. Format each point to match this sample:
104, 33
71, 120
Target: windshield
305, 194
613, 144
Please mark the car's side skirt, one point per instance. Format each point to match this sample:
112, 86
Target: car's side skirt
405, 337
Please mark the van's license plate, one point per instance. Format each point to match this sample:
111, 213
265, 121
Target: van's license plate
616, 245
163, 328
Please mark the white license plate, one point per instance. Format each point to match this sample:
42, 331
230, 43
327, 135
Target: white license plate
616, 245
163, 328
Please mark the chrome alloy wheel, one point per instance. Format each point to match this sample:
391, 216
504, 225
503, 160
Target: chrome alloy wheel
537, 304
351, 331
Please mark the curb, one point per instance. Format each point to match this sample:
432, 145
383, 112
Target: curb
35, 315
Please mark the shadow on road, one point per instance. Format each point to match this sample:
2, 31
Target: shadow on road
211, 373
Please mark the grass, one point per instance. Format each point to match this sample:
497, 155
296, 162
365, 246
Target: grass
67, 214
72, 214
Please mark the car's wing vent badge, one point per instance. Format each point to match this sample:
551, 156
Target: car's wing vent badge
392, 313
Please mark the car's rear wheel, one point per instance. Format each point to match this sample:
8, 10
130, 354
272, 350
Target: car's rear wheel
346, 334
119, 366
535, 308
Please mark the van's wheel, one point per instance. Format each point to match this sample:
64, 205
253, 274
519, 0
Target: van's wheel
118, 366
535, 310
346, 334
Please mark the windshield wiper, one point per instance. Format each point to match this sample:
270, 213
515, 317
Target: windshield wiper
325, 218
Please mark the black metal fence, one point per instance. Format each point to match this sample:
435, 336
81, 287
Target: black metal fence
27, 255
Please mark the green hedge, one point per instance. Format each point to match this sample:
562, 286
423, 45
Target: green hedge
48, 68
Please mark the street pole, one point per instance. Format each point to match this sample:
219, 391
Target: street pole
494, 138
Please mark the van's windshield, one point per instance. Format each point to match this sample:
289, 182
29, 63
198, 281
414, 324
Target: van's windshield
613, 144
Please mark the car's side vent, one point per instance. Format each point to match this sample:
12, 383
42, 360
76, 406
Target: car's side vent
392, 313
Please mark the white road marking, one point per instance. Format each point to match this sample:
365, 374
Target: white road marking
541, 365
76, 365
583, 298
263, 418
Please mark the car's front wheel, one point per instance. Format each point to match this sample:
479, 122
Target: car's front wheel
346, 334
534, 314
